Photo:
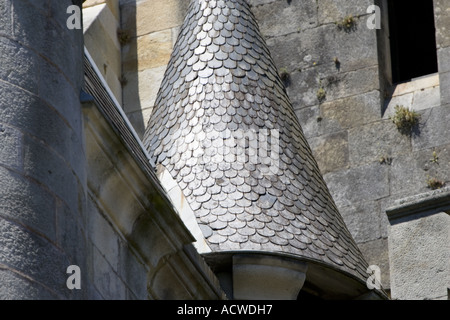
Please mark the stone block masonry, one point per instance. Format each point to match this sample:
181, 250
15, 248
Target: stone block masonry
42, 162
153, 27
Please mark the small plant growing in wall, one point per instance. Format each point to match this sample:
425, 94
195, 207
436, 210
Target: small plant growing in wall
285, 76
321, 94
337, 63
385, 159
123, 80
405, 119
435, 158
435, 184
123, 36
347, 24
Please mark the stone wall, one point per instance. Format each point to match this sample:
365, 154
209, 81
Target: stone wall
443, 45
419, 246
42, 158
102, 37
152, 26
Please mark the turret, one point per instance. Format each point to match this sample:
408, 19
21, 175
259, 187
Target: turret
224, 130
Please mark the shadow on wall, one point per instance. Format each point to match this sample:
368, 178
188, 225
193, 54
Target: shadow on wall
127, 35
149, 29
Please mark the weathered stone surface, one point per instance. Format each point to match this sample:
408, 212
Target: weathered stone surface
376, 140
376, 253
152, 15
5, 18
15, 287
283, 17
148, 51
445, 84
417, 95
406, 175
331, 151
351, 83
112, 4
267, 277
34, 256
311, 121
105, 279
420, 94
365, 183
444, 59
138, 121
419, 251
384, 222
427, 98
71, 237
100, 24
334, 11
51, 170
20, 66
409, 173
288, 51
254, 3
363, 220
434, 128
405, 100
59, 93
67, 57
442, 14
25, 111
321, 45
34, 209
304, 86
351, 112
28, 113
133, 271
10, 147
102, 235
142, 88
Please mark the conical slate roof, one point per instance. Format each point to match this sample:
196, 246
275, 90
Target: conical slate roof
222, 97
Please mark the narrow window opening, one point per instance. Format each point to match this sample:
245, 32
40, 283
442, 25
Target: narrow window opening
412, 39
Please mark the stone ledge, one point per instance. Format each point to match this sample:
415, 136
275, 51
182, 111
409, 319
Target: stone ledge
429, 202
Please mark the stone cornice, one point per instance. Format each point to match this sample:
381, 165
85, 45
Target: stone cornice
425, 203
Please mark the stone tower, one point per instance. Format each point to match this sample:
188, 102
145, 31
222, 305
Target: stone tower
42, 157
223, 127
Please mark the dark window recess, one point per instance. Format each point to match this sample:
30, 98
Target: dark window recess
413, 39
